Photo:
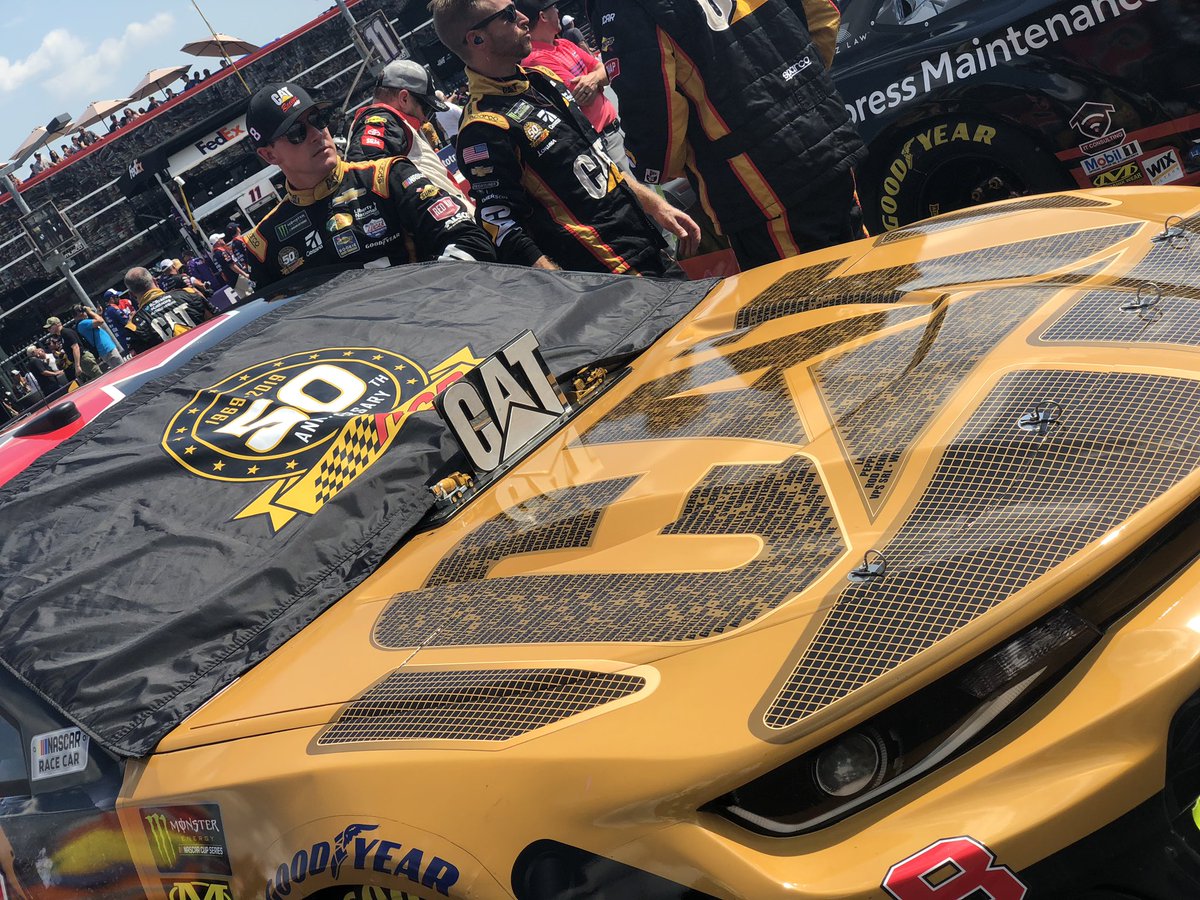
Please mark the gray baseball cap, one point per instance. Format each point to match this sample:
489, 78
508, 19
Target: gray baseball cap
404, 74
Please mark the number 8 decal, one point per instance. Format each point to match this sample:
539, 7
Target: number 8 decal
953, 869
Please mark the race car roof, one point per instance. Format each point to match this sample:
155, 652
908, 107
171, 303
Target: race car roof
153, 558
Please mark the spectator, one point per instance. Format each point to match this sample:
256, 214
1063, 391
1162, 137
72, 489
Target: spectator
201, 270
547, 194
113, 124
152, 104
391, 126
573, 34
81, 362
66, 151
237, 244
27, 385
116, 318
48, 378
577, 69
769, 143
170, 95
339, 213
55, 159
89, 325
208, 74
187, 281
37, 166
8, 406
231, 273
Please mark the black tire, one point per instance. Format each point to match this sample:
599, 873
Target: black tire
952, 162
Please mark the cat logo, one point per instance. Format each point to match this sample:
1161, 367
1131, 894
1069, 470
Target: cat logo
498, 410
1126, 174
284, 99
198, 890
305, 425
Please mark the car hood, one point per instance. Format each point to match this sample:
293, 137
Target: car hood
837, 479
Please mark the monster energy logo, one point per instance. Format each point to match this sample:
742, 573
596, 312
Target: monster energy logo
200, 890
162, 841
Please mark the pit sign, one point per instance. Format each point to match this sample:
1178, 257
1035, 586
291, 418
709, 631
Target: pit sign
58, 753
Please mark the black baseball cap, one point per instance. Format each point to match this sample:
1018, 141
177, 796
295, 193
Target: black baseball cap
530, 8
274, 109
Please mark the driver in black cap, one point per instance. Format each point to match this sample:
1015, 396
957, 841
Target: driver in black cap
392, 125
378, 212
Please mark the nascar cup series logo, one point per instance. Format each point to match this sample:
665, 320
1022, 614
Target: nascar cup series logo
307, 424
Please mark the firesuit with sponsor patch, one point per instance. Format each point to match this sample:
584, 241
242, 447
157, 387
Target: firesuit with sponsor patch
378, 212
543, 183
734, 96
380, 130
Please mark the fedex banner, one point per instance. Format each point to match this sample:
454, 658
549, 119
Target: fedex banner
207, 146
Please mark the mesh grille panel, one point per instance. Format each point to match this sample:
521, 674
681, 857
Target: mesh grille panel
1172, 265
796, 291
568, 520
477, 705
952, 220
785, 504
765, 410
1003, 507
878, 419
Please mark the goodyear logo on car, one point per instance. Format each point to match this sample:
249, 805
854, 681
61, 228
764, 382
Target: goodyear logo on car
356, 849
305, 425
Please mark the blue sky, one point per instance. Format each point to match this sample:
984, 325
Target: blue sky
59, 56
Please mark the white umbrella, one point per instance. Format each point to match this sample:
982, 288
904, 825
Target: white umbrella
97, 110
37, 138
219, 45
156, 80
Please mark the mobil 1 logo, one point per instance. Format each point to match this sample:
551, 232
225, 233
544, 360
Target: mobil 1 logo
499, 409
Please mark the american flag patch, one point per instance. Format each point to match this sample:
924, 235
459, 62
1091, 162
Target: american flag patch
475, 154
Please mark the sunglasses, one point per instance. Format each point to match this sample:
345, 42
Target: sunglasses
508, 15
317, 118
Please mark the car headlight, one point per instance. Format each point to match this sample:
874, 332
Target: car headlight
913, 737
851, 764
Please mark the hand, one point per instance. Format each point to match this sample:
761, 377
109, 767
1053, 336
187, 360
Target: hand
679, 224
587, 86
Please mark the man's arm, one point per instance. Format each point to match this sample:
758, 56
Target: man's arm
654, 114
489, 162
439, 224
676, 221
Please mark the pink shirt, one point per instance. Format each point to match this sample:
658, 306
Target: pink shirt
568, 61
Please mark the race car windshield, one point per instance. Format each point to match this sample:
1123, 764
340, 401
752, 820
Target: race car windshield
913, 12
196, 526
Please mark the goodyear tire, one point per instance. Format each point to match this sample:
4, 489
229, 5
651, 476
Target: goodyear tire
953, 162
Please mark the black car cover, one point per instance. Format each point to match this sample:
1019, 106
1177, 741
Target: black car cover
178, 540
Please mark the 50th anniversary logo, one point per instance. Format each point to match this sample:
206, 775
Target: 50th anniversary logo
308, 423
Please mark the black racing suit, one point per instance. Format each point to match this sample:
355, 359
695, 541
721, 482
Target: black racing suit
380, 130
361, 212
543, 183
743, 105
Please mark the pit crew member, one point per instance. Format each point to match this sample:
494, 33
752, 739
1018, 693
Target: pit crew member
750, 117
378, 212
547, 192
391, 126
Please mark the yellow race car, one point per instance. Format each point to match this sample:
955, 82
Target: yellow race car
869, 574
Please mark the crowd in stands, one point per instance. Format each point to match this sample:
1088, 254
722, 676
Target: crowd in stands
154, 303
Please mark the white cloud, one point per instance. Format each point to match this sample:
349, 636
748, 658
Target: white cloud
68, 68
90, 72
57, 47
